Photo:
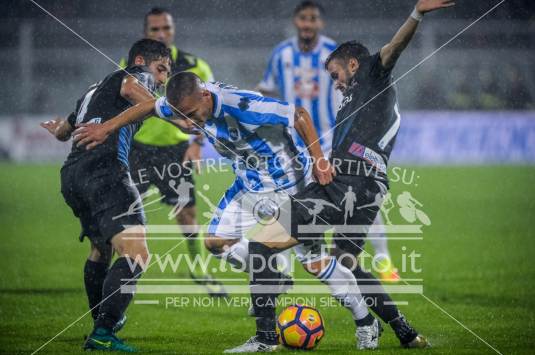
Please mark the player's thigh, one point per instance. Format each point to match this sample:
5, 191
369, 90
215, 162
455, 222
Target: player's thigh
302, 216
230, 220
131, 242
75, 188
118, 207
352, 241
313, 255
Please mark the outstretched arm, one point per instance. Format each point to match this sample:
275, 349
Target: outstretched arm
91, 134
95, 134
392, 50
321, 168
59, 128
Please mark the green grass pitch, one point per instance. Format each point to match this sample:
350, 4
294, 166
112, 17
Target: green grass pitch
477, 261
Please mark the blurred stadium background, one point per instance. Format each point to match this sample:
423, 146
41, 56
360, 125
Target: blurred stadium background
468, 128
488, 68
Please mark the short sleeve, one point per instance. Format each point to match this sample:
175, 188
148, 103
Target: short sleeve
163, 109
269, 79
72, 119
254, 111
73, 116
377, 70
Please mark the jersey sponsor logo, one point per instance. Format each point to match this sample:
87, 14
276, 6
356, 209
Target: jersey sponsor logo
367, 154
244, 104
345, 101
233, 133
357, 149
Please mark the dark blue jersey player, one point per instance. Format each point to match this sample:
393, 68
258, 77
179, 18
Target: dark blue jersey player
365, 132
96, 184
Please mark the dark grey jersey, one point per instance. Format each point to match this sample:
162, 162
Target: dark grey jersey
100, 103
368, 119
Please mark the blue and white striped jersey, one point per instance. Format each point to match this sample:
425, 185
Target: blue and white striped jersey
254, 132
300, 78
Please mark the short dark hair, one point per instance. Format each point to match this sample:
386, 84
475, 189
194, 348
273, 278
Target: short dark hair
306, 4
181, 85
149, 49
348, 50
154, 11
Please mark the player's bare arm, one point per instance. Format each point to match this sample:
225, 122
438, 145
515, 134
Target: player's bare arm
391, 51
59, 128
322, 170
134, 91
92, 135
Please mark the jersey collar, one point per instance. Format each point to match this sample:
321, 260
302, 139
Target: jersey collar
217, 99
295, 43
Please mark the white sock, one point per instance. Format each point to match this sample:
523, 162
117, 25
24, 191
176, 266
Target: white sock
378, 240
344, 288
237, 254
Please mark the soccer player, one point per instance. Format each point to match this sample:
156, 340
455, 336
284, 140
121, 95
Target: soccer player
159, 145
296, 73
366, 128
254, 132
97, 186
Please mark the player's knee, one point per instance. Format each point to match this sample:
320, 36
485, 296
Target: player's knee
136, 250
315, 268
132, 244
347, 257
186, 216
100, 255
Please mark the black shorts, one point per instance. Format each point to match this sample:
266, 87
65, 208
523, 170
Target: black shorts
162, 167
319, 201
104, 200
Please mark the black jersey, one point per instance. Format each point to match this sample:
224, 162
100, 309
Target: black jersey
368, 119
100, 103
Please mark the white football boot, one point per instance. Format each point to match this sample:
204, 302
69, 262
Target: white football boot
253, 345
368, 336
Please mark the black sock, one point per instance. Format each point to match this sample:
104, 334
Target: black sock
263, 284
382, 304
403, 329
368, 320
265, 330
115, 300
94, 275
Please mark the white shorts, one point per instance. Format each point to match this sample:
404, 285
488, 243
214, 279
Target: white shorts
240, 210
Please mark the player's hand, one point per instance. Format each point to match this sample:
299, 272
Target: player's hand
193, 155
424, 6
90, 135
323, 171
51, 125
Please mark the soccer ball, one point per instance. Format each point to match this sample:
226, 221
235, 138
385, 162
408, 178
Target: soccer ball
300, 327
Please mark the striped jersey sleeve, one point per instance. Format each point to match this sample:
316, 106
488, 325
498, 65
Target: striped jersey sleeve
163, 109
253, 110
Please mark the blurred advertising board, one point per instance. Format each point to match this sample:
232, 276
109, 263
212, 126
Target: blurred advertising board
425, 138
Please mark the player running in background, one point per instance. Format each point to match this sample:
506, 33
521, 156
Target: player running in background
296, 74
159, 145
97, 186
254, 132
362, 142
